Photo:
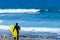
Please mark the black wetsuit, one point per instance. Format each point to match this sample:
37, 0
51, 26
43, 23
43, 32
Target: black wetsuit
17, 28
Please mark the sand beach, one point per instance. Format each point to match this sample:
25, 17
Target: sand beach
26, 37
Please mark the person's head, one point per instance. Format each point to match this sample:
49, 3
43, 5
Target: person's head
16, 24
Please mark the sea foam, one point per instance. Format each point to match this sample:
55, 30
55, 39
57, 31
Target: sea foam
19, 10
33, 29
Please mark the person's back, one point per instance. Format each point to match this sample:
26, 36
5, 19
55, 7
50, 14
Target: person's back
17, 28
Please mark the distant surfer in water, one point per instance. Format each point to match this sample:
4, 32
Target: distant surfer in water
17, 28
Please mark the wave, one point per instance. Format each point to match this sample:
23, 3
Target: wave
49, 10
1, 21
27, 10
33, 29
4, 27
19, 10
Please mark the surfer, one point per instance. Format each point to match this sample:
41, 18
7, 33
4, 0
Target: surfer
17, 28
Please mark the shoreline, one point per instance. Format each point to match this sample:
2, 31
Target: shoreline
27, 37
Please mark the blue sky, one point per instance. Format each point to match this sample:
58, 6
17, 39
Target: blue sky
39, 4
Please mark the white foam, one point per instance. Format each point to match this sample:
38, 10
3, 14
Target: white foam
33, 29
1, 21
19, 10
4, 27
54, 30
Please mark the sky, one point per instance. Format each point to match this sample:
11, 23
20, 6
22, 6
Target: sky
30, 4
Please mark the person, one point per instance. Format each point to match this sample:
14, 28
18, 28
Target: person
17, 28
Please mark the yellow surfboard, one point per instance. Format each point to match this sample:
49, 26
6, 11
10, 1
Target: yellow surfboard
15, 31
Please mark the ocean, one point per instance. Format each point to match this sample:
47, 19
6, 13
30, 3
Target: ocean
39, 23
31, 22
42, 19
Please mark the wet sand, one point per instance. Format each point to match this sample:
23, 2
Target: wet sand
25, 37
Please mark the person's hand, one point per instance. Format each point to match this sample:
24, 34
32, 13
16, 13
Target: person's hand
13, 30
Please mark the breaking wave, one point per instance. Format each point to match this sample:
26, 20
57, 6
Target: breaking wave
1, 21
33, 29
27, 10
19, 10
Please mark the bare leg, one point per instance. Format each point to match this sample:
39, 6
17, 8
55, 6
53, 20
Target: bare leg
14, 38
18, 36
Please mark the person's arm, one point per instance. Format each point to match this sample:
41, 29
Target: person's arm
19, 27
13, 29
